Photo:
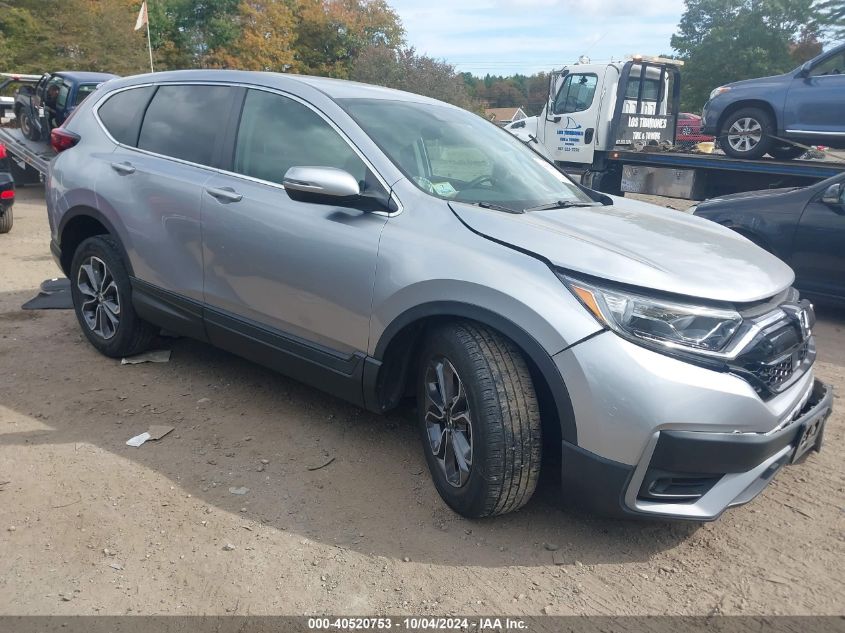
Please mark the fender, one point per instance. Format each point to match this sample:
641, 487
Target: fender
94, 213
538, 356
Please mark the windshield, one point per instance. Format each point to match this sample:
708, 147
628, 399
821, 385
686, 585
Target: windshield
456, 155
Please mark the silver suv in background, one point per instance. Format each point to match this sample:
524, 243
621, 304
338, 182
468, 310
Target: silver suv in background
380, 245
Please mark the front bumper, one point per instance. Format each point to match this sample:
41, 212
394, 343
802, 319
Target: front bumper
693, 475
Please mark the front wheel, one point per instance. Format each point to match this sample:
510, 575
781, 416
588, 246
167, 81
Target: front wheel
479, 420
747, 133
102, 299
28, 128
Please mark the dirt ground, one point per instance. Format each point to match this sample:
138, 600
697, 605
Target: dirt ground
92, 526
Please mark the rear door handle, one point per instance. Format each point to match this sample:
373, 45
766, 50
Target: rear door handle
225, 194
123, 168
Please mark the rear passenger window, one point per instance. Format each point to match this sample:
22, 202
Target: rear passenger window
277, 133
183, 121
121, 114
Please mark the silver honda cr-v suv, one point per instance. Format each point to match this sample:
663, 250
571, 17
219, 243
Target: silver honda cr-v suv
380, 245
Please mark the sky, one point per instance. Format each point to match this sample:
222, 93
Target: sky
504, 37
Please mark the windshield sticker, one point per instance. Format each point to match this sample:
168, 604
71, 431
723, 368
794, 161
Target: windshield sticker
444, 189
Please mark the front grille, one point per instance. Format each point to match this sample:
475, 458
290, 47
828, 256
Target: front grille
780, 353
775, 374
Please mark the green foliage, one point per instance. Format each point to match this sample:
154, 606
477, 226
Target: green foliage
404, 69
831, 18
728, 40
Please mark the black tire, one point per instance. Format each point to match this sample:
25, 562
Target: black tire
6, 221
787, 152
758, 119
506, 438
28, 128
132, 335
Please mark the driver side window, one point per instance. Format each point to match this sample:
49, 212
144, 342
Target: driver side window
834, 65
576, 93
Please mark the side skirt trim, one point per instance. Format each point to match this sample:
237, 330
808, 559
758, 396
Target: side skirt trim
338, 374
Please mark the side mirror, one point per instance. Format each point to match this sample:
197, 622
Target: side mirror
806, 67
321, 181
834, 195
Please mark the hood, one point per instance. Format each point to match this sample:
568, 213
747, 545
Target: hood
759, 82
762, 193
640, 244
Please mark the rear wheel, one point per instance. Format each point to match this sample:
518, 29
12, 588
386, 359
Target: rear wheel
747, 133
102, 299
479, 420
6, 221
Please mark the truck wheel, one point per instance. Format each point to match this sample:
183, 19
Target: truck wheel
747, 133
102, 299
6, 221
787, 152
479, 420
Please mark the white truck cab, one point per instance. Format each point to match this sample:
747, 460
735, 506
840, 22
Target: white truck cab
594, 108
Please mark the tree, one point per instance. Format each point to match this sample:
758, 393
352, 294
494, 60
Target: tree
404, 69
192, 33
727, 40
266, 37
331, 34
18, 28
832, 18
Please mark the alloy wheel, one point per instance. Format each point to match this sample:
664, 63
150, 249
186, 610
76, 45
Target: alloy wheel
101, 300
448, 421
745, 134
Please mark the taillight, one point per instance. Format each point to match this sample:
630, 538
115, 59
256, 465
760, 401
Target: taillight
7, 195
2, 151
61, 139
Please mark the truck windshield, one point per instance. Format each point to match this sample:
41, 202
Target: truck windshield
456, 155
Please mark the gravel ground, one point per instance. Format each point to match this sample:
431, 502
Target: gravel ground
91, 525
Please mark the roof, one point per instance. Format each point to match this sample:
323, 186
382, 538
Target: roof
501, 114
333, 88
85, 76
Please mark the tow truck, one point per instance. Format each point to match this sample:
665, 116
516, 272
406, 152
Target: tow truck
613, 126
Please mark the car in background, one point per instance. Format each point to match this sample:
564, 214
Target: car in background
759, 116
7, 80
688, 129
805, 227
50, 102
7, 191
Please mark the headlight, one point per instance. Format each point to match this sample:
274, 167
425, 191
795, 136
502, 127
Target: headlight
717, 91
658, 322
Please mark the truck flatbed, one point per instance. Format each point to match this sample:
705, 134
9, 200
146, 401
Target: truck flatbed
700, 176
819, 169
35, 155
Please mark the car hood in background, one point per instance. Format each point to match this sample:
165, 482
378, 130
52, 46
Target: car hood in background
762, 193
642, 245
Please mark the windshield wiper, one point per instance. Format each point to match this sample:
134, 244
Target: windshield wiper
562, 204
495, 207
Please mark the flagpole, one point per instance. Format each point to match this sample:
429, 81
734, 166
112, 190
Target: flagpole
149, 43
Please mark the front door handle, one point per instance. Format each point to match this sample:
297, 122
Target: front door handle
225, 194
123, 168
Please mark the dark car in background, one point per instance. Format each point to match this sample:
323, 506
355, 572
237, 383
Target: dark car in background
805, 227
7, 191
759, 116
49, 103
